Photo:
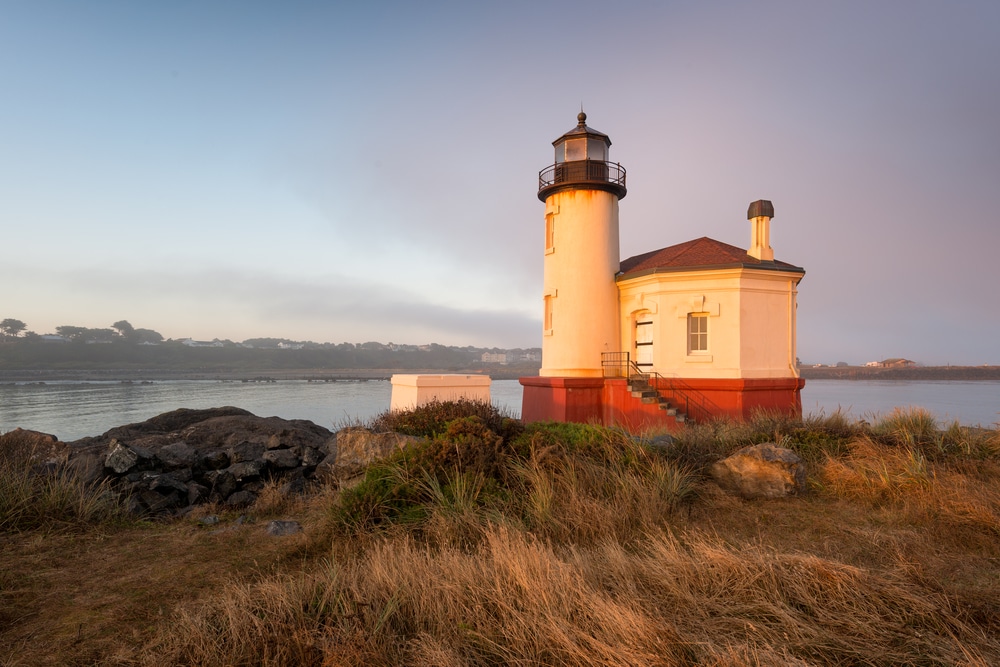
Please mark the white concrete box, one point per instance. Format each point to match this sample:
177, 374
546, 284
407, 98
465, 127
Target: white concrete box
410, 391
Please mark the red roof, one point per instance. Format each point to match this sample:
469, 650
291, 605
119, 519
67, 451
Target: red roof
703, 253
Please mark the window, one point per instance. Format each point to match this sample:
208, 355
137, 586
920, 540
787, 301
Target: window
644, 342
550, 232
697, 332
547, 326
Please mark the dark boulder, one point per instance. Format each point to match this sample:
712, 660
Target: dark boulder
186, 457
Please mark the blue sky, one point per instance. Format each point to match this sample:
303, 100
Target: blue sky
332, 172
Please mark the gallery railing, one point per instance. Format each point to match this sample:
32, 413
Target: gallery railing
607, 175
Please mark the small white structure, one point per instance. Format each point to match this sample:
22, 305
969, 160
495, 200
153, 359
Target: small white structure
410, 391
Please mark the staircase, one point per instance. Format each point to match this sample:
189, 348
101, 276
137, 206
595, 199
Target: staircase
639, 387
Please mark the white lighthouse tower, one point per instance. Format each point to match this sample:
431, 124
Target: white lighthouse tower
581, 192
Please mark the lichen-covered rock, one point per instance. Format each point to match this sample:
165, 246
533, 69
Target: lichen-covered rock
213, 459
120, 458
358, 447
761, 471
40, 449
177, 455
220, 483
196, 456
282, 528
246, 470
281, 458
311, 457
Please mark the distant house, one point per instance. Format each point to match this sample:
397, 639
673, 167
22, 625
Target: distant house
201, 343
897, 363
494, 358
873, 364
53, 338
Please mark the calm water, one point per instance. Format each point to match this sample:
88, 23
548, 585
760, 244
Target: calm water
72, 410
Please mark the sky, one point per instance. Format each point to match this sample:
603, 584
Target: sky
351, 172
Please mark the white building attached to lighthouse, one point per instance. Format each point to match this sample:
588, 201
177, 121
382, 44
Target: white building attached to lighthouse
694, 330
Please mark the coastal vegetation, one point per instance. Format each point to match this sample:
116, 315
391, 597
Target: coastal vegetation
494, 542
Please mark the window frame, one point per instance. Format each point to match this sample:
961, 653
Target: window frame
698, 340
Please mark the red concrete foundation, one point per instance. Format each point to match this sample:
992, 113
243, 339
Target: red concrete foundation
562, 399
703, 399
609, 401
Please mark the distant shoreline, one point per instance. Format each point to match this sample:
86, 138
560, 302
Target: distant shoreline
916, 373
257, 375
920, 373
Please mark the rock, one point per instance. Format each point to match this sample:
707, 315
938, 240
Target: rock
281, 458
241, 499
245, 451
296, 484
311, 457
220, 483
325, 469
120, 458
245, 470
156, 502
199, 456
87, 465
329, 446
213, 459
209, 520
40, 449
358, 447
165, 483
661, 441
761, 471
197, 493
177, 455
282, 528
275, 441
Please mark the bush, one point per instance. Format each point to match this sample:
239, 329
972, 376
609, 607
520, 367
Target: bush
432, 419
464, 463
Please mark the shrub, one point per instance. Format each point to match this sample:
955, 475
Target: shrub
432, 418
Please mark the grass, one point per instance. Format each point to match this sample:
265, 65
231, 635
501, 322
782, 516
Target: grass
495, 543
37, 495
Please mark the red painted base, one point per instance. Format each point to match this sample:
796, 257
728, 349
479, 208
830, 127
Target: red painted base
562, 399
608, 401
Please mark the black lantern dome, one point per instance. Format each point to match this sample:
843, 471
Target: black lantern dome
582, 163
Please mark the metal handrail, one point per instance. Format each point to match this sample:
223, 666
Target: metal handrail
582, 171
621, 364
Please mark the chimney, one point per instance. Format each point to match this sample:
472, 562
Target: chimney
759, 214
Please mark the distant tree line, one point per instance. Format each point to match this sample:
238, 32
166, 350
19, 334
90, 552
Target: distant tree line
121, 331
77, 348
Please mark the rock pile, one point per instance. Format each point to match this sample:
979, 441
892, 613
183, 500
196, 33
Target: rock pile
187, 457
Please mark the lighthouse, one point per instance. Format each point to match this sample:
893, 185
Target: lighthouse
691, 331
581, 190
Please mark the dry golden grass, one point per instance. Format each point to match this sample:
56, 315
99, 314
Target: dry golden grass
602, 552
515, 599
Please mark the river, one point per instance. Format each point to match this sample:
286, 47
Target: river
72, 410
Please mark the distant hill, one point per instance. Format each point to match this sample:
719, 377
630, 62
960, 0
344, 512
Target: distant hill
22, 360
910, 373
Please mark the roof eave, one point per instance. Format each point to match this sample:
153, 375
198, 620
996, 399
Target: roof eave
769, 266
